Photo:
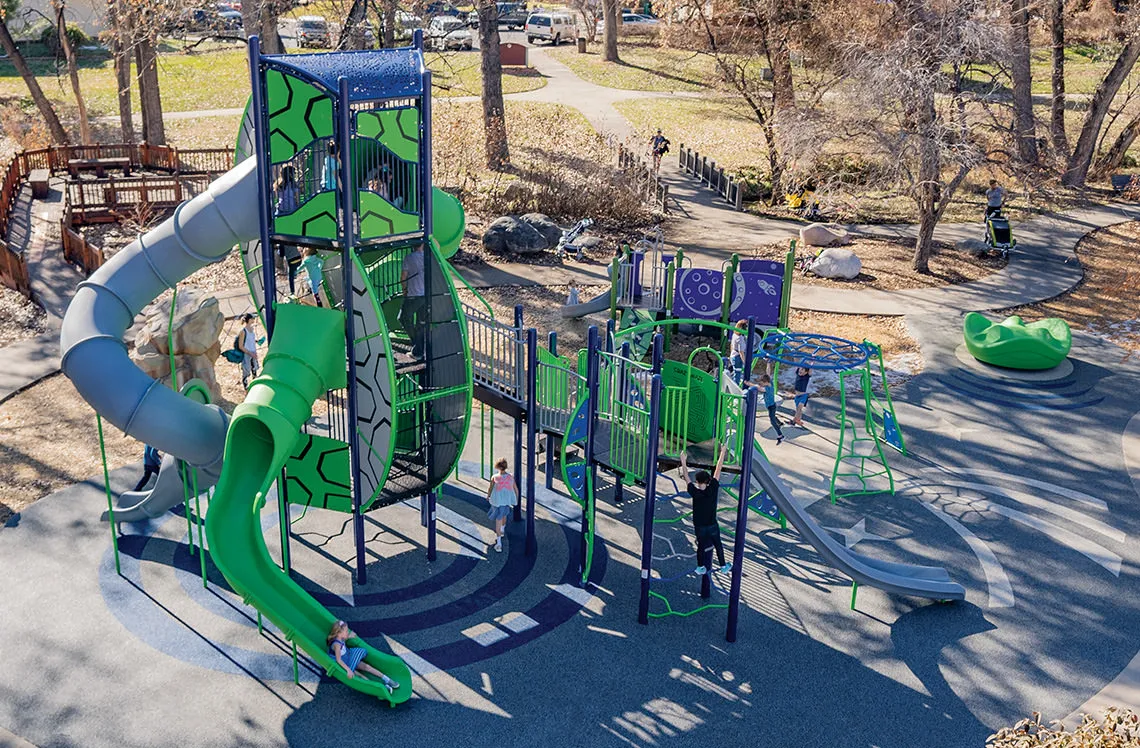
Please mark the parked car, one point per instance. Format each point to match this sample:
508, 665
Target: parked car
406, 24
448, 32
198, 20
633, 23
552, 27
511, 15
231, 20
438, 8
312, 31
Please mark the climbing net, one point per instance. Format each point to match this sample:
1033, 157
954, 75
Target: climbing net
815, 351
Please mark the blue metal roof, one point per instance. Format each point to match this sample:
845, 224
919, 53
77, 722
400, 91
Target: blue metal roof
371, 73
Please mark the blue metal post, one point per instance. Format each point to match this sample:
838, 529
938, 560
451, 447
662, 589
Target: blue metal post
650, 492
749, 350
426, 217
264, 176
609, 341
520, 378
591, 425
345, 194
658, 352
741, 513
531, 434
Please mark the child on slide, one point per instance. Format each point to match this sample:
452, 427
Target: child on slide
502, 493
352, 658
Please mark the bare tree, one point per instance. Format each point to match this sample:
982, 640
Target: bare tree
1021, 75
352, 30
120, 45
1079, 162
494, 114
1057, 103
585, 9
58, 6
51, 119
926, 143
150, 96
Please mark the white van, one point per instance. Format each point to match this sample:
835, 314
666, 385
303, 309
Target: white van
552, 27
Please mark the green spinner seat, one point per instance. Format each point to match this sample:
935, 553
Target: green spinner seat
1016, 345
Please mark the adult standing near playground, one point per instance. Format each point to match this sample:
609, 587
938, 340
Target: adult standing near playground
248, 347
658, 147
705, 491
995, 198
412, 310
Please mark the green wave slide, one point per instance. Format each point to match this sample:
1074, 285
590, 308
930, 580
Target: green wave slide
306, 358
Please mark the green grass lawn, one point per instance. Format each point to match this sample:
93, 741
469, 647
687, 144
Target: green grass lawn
219, 79
720, 127
643, 67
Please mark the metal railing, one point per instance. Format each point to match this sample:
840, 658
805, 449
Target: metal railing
498, 354
712, 176
623, 401
558, 388
643, 179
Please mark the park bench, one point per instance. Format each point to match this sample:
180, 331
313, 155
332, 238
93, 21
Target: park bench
1120, 182
38, 179
99, 165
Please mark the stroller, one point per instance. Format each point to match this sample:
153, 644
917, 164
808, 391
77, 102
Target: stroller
569, 236
999, 236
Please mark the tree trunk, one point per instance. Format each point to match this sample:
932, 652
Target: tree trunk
929, 180
780, 60
1024, 124
1114, 157
494, 119
72, 71
1057, 105
352, 30
260, 17
150, 98
1077, 168
390, 8
122, 62
610, 13
55, 129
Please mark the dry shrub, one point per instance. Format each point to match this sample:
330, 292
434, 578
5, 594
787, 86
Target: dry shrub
1120, 728
559, 166
26, 130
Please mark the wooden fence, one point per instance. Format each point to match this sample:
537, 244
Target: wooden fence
712, 176
644, 179
103, 200
106, 200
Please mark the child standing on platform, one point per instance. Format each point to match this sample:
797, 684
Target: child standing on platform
503, 494
248, 339
314, 267
352, 658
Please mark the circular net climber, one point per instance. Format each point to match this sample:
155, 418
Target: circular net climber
815, 351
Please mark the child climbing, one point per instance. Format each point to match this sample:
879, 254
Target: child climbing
152, 462
705, 491
503, 494
247, 338
803, 377
739, 346
770, 404
352, 658
314, 267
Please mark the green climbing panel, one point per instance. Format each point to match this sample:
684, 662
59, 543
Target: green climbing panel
317, 473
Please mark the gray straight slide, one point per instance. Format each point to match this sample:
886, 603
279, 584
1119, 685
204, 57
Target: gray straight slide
94, 357
900, 579
596, 305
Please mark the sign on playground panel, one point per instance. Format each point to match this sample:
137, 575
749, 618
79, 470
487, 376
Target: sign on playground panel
699, 294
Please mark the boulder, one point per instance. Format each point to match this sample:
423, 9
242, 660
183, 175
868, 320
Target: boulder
509, 234
824, 235
837, 263
198, 322
541, 223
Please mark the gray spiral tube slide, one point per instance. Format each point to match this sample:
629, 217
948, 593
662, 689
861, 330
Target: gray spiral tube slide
900, 579
94, 356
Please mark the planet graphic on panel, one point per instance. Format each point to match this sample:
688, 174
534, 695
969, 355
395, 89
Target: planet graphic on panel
699, 293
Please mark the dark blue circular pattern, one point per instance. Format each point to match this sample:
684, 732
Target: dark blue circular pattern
151, 620
815, 351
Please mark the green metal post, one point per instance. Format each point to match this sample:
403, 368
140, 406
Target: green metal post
726, 306
854, 592
296, 672
107, 489
199, 522
670, 273
789, 276
184, 476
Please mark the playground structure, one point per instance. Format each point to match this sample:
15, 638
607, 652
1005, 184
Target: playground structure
397, 422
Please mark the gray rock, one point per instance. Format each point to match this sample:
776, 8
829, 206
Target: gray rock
509, 234
589, 242
824, 235
837, 263
542, 224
